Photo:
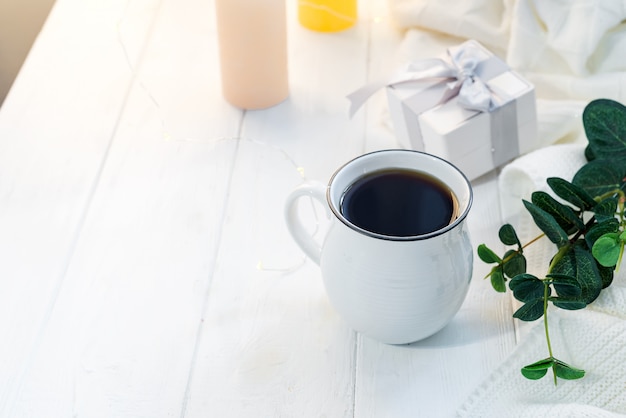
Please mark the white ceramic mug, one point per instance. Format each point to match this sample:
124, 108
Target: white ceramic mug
394, 289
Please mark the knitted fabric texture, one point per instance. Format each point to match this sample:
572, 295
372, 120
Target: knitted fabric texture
593, 339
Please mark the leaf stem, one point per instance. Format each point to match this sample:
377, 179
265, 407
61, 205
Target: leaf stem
581, 232
545, 324
610, 193
558, 256
537, 238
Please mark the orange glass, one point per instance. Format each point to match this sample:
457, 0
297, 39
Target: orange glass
327, 15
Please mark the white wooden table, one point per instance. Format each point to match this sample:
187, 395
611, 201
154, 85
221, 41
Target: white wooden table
145, 267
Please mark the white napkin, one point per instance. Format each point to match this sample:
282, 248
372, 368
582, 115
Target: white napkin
593, 339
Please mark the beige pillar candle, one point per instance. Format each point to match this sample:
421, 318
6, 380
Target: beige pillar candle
253, 52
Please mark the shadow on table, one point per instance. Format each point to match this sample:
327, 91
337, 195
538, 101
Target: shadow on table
464, 329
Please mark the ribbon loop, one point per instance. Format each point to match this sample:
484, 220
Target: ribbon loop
473, 92
464, 70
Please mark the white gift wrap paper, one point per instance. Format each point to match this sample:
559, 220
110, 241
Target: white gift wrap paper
475, 141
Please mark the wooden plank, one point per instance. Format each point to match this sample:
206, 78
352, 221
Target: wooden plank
55, 129
271, 345
432, 377
120, 336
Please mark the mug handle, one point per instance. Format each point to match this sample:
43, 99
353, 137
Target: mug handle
302, 237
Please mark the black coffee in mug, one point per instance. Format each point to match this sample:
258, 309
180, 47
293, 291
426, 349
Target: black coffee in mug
399, 202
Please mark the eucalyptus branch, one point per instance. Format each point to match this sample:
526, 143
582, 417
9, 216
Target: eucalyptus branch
591, 222
532, 241
589, 232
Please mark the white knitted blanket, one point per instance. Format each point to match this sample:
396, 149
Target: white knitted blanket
593, 339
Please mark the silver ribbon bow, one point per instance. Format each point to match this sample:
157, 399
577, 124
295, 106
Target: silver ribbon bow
464, 74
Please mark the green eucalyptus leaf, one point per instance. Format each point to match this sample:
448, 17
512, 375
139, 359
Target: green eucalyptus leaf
498, 282
607, 249
547, 224
578, 262
598, 177
527, 288
569, 303
605, 126
515, 263
508, 236
521, 278
564, 215
534, 374
565, 286
565, 371
606, 275
587, 274
566, 265
589, 155
530, 311
605, 209
538, 369
572, 193
544, 364
596, 231
487, 255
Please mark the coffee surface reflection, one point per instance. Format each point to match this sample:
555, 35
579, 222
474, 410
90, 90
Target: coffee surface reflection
399, 202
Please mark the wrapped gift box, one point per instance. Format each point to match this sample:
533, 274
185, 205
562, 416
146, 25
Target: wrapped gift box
475, 141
